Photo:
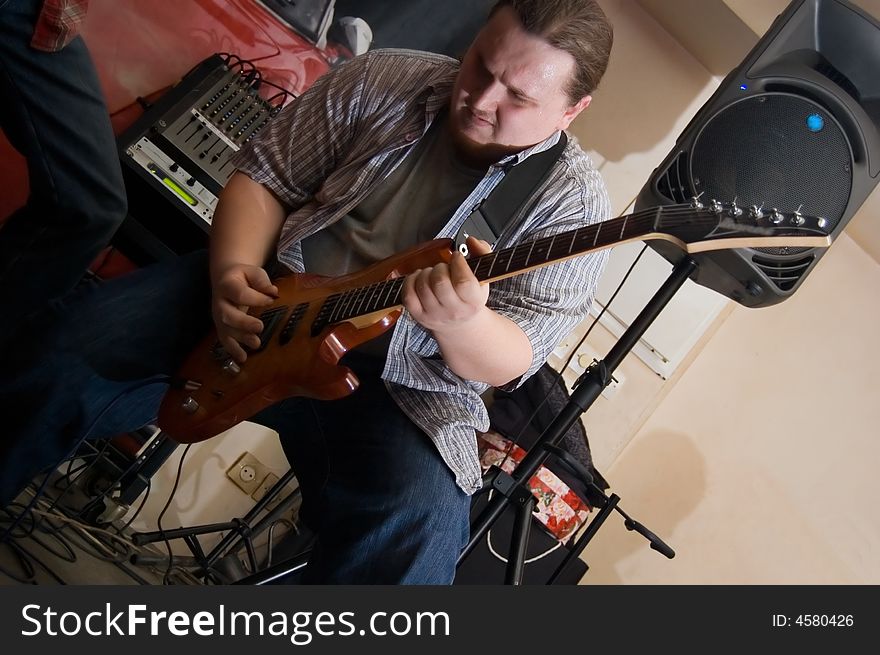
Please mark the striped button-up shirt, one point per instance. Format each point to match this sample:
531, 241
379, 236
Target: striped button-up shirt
328, 149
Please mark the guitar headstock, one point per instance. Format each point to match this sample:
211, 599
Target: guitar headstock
715, 225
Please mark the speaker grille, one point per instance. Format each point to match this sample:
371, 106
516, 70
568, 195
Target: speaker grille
674, 184
784, 273
776, 150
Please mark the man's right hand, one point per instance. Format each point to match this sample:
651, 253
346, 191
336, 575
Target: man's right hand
235, 289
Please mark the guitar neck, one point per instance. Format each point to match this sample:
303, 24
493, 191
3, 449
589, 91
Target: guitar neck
541, 252
499, 264
691, 229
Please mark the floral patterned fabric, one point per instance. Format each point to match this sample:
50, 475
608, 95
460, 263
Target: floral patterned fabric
559, 509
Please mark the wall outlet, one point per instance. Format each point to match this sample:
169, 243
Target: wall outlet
248, 473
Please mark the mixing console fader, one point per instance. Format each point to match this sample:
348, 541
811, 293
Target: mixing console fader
181, 149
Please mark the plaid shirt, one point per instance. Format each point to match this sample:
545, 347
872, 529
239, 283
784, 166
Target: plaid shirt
328, 149
58, 23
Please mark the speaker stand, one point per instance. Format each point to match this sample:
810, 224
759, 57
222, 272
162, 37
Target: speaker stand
513, 489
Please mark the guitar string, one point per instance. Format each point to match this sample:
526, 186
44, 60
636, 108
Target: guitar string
640, 222
354, 297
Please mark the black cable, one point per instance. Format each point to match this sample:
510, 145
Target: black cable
33, 558
116, 483
96, 542
95, 458
281, 94
23, 561
12, 517
67, 478
138, 510
604, 309
92, 540
165, 509
246, 12
292, 94
68, 554
253, 76
574, 350
107, 408
25, 558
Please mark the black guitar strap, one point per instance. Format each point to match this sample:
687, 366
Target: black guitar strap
488, 219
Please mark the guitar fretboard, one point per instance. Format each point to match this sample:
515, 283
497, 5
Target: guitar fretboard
495, 265
685, 222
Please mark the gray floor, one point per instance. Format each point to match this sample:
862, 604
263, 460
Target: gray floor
72, 545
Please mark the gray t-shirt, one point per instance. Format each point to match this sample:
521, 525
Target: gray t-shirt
409, 207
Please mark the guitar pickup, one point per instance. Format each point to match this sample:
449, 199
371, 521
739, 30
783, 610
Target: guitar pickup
271, 318
295, 317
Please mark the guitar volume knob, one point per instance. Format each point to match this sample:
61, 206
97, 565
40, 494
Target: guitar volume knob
190, 405
231, 367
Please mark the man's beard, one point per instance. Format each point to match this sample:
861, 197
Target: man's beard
474, 153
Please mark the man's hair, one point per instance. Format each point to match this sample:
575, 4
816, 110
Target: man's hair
578, 27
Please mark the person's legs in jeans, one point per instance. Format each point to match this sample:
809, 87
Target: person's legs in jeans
384, 505
93, 364
53, 113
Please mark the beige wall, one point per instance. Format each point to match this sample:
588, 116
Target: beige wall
651, 90
205, 494
759, 466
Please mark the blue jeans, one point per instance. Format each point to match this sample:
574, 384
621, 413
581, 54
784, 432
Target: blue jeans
53, 113
384, 505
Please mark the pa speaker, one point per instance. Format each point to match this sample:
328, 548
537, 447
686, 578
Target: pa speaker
796, 126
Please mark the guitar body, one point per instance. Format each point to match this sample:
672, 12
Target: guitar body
210, 395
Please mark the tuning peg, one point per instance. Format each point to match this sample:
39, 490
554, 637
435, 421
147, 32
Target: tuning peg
715, 207
734, 210
797, 219
776, 217
822, 223
756, 212
695, 201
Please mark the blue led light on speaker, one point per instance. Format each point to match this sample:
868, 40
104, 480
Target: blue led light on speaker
743, 87
815, 122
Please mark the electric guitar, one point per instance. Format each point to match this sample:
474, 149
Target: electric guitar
315, 320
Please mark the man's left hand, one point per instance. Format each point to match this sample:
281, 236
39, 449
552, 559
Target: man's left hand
446, 296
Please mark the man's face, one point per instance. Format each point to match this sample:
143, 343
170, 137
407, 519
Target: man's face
511, 91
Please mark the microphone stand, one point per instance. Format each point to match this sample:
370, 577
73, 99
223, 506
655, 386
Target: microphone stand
513, 489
